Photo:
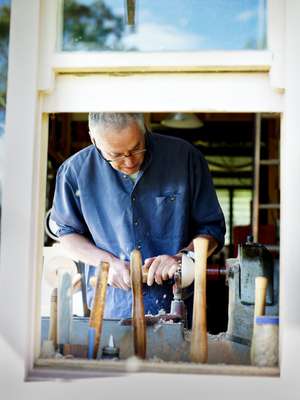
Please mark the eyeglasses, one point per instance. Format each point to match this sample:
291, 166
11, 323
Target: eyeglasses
123, 157
130, 154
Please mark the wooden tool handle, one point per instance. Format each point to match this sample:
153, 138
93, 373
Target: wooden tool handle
138, 312
145, 275
261, 284
199, 352
98, 305
52, 334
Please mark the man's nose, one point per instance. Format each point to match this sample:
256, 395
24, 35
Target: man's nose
128, 161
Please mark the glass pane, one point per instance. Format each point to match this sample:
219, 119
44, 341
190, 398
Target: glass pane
164, 25
224, 200
242, 207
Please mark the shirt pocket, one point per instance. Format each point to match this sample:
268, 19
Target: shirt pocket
167, 219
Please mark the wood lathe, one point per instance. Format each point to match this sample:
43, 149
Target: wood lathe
164, 336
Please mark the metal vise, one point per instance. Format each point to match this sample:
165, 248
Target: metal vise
253, 260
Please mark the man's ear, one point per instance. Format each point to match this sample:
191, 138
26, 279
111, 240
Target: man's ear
92, 138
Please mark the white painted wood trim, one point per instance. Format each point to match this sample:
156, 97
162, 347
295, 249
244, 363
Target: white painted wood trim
49, 33
246, 60
38, 229
222, 92
54, 61
276, 41
19, 259
20, 188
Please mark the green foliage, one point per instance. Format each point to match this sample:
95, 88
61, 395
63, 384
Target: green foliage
4, 36
91, 27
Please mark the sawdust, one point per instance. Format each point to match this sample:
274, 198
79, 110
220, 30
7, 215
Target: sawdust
221, 351
133, 364
69, 356
217, 338
166, 322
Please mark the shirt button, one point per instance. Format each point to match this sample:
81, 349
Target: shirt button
136, 223
124, 176
139, 247
133, 199
173, 198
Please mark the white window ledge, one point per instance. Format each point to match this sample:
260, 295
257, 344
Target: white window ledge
246, 60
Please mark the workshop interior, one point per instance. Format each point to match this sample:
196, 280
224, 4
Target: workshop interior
236, 320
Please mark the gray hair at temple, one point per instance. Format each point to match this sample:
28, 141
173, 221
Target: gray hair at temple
102, 122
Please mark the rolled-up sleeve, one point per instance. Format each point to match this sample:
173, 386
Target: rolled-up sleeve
207, 215
66, 215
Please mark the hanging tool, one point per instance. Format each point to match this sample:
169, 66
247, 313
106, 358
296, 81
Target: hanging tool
199, 352
96, 319
138, 313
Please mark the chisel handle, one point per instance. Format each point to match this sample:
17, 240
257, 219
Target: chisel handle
138, 312
52, 335
199, 344
261, 284
96, 319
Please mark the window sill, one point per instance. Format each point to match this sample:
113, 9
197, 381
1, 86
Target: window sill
207, 61
49, 369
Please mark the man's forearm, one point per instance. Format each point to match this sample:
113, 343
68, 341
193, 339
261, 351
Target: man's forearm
79, 247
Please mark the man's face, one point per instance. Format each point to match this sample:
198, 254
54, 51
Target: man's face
115, 144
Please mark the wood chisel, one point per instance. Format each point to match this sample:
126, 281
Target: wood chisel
199, 341
138, 313
96, 319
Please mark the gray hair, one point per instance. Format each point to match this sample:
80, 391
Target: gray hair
100, 122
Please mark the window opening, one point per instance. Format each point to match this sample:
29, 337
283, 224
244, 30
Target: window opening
226, 140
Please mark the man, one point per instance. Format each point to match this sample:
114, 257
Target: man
135, 189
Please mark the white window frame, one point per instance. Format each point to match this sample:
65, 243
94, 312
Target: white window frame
54, 61
39, 84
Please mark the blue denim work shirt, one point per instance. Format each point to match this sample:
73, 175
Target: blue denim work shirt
172, 201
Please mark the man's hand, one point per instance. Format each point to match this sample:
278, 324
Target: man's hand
160, 268
118, 276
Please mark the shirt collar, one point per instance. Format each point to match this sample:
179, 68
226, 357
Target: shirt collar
149, 153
